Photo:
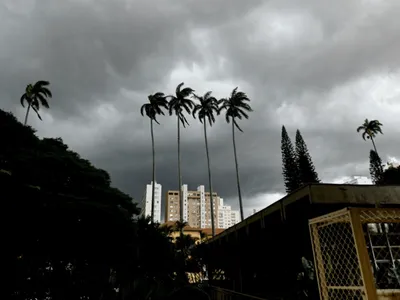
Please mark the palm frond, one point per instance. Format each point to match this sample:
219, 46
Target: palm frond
42, 83
242, 113
47, 92
42, 100
143, 109
360, 128
237, 125
363, 135
207, 95
23, 99
36, 111
234, 92
186, 92
178, 89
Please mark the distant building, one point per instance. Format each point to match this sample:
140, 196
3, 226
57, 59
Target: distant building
226, 216
146, 206
358, 180
196, 207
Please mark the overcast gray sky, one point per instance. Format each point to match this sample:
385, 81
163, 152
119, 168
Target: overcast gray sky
320, 66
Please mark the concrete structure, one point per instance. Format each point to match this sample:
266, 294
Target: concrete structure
226, 216
196, 207
146, 203
262, 255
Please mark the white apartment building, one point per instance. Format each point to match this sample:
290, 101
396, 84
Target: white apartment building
146, 206
226, 216
196, 207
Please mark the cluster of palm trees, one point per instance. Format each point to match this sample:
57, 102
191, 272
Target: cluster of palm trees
205, 108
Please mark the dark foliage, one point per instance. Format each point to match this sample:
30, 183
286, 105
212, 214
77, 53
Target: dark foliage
155, 106
375, 167
180, 102
73, 236
35, 96
236, 107
306, 167
291, 174
391, 176
206, 109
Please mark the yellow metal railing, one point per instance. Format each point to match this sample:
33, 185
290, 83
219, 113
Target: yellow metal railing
357, 253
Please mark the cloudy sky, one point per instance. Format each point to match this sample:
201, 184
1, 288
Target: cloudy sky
320, 66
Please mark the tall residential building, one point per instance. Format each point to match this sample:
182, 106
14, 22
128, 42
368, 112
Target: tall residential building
146, 205
196, 207
226, 216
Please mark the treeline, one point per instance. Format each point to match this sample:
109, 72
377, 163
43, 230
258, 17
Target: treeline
298, 168
70, 235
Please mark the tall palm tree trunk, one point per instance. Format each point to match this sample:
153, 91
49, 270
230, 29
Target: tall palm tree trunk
237, 172
209, 180
27, 113
373, 143
154, 171
179, 173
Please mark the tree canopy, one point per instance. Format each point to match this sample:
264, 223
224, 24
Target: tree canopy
304, 162
290, 169
74, 236
375, 167
391, 176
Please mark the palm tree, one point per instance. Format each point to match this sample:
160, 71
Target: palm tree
236, 109
205, 111
178, 104
153, 108
179, 226
370, 130
36, 95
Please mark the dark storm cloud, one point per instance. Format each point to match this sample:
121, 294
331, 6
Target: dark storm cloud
91, 49
300, 62
319, 46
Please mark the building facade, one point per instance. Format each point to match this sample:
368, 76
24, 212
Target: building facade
146, 205
226, 216
196, 207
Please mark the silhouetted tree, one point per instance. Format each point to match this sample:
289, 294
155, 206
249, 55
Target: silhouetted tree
36, 95
306, 167
205, 110
154, 107
290, 169
375, 167
236, 107
391, 175
179, 103
73, 235
370, 129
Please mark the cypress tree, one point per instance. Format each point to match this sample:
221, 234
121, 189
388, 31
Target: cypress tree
306, 167
289, 166
375, 167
